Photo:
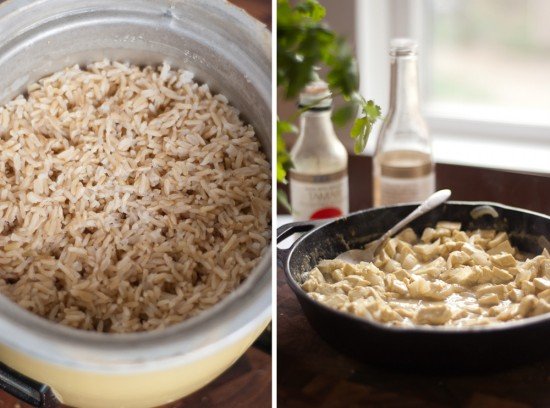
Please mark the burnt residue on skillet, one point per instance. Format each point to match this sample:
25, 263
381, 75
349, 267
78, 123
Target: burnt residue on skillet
419, 348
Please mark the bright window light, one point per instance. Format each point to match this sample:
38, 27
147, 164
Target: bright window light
491, 56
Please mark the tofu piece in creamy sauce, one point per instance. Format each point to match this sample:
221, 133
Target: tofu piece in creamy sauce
445, 277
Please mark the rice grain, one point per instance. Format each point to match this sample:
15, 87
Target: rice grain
130, 198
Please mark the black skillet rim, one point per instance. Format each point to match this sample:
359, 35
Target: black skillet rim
424, 329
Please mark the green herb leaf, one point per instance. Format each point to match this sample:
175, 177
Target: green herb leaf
357, 127
284, 163
312, 9
285, 127
303, 42
372, 111
282, 198
344, 114
343, 75
362, 127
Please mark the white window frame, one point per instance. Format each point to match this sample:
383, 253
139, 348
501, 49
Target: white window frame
481, 140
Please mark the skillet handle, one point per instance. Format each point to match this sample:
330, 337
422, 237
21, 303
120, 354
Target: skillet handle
27, 390
287, 230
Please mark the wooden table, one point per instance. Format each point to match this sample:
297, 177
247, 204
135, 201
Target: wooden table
311, 373
248, 382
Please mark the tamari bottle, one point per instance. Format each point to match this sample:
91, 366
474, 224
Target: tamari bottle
319, 179
403, 165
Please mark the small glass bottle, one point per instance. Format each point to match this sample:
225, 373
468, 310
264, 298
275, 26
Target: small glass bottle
403, 168
319, 179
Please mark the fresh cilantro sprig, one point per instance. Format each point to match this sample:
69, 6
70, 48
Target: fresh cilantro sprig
305, 43
360, 131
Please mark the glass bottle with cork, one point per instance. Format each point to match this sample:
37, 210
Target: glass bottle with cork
319, 178
403, 168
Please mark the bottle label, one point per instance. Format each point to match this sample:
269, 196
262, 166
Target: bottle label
319, 196
394, 190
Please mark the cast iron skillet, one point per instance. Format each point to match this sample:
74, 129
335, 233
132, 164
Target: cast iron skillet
425, 347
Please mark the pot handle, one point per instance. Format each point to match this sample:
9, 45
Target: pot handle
287, 230
27, 390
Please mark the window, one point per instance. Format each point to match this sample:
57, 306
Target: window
484, 68
509, 45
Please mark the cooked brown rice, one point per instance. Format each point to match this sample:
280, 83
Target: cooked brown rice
130, 199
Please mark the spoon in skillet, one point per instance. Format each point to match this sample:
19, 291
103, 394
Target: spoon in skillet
354, 256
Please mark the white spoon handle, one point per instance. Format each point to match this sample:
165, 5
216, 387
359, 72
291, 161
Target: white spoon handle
430, 203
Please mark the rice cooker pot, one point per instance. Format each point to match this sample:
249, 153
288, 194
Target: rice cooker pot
224, 47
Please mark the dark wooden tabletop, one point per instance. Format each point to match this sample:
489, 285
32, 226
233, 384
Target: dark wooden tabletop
248, 382
311, 373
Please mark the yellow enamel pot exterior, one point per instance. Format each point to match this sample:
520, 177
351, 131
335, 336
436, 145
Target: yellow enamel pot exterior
136, 390
225, 48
